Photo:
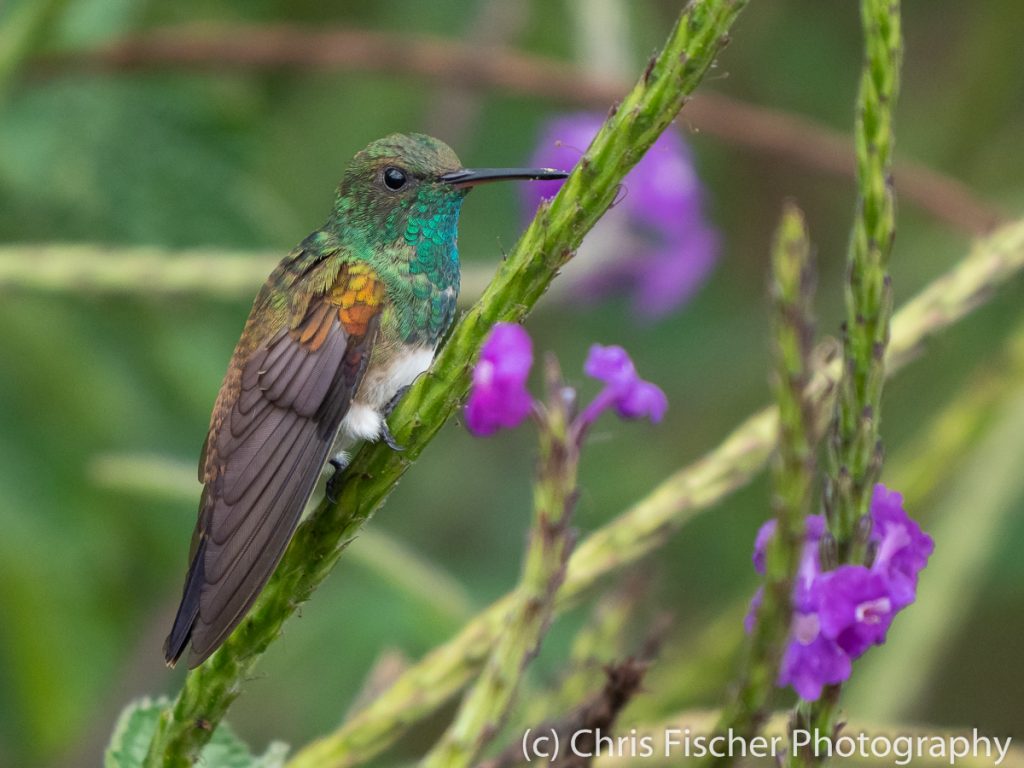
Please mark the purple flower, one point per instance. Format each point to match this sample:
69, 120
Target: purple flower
854, 607
814, 530
902, 548
624, 390
811, 660
655, 242
498, 396
750, 620
764, 534
838, 615
808, 570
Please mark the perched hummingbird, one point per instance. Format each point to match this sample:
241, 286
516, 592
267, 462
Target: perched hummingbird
340, 329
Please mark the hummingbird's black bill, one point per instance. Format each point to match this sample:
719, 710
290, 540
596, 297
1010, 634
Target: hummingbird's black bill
470, 177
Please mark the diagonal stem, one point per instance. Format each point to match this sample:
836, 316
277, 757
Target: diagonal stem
548, 243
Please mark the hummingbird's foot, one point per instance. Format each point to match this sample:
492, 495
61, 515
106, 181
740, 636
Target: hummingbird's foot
332, 489
385, 432
388, 438
394, 401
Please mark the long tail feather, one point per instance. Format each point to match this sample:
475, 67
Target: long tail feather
188, 610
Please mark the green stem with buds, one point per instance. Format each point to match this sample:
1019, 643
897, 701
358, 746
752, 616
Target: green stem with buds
544, 248
486, 705
647, 525
792, 292
856, 448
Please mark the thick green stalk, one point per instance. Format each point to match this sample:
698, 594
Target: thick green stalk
544, 248
429, 684
792, 291
856, 448
485, 707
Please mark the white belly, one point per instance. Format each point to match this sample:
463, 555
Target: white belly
380, 384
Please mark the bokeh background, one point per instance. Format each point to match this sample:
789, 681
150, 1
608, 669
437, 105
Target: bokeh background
105, 395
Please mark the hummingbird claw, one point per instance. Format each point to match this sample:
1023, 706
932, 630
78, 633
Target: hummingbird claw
388, 438
385, 432
333, 487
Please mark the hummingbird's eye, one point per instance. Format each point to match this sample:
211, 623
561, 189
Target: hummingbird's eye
394, 178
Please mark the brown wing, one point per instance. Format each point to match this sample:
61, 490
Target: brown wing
263, 457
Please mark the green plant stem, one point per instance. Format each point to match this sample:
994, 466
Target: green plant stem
792, 291
548, 243
151, 271
855, 447
923, 470
485, 707
855, 454
649, 523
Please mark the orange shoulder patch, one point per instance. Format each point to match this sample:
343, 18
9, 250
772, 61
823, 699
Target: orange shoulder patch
354, 300
358, 295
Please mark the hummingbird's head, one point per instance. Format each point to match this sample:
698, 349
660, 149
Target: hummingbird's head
413, 174
400, 168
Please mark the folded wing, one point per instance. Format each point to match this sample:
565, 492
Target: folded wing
262, 461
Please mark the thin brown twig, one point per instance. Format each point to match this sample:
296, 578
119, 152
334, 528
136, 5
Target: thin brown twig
595, 716
277, 47
598, 713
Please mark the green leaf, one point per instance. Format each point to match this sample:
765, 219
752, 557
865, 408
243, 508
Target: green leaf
134, 731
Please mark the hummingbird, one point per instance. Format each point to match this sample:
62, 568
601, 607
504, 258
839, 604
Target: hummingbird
338, 332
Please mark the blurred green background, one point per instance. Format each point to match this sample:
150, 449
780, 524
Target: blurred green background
90, 572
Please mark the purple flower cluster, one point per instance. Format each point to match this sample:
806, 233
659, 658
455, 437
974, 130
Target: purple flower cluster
838, 615
499, 398
655, 242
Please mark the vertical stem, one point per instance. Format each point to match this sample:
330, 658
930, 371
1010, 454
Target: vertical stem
792, 293
486, 705
856, 452
856, 449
